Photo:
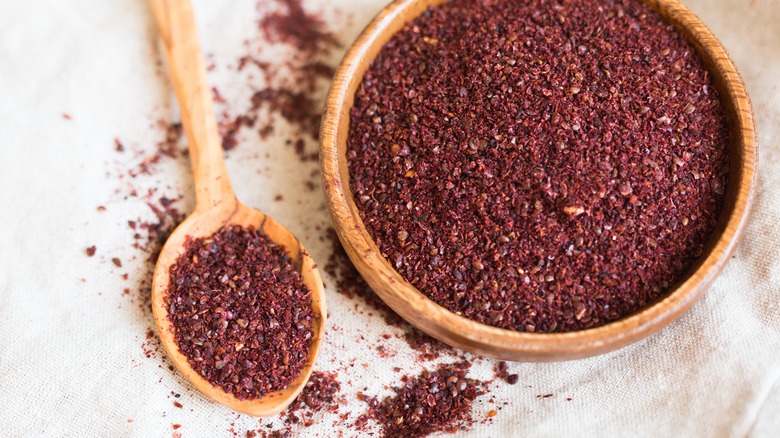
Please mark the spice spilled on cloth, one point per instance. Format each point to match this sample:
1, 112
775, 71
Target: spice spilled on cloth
320, 393
240, 312
438, 401
539, 166
294, 85
291, 24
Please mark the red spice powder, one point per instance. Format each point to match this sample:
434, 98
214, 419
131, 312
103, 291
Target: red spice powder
501, 369
150, 235
539, 166
320, 393
168, 147
438, 401
240, 312
428, 347
297, 107
294, 86
229, 129
291, 24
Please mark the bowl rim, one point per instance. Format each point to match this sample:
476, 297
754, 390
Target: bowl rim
435, 320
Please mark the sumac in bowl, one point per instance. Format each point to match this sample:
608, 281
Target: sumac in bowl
536, 180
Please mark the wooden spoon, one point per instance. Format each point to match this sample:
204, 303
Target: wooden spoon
217, 206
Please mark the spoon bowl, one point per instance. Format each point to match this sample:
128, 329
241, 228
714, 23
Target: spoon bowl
205, 224
217, 207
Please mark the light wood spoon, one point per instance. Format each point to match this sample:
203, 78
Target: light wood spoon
217, 206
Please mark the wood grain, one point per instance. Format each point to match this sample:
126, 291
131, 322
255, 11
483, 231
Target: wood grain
217, 206
482, 339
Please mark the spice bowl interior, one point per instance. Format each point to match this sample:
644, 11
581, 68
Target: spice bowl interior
458, 331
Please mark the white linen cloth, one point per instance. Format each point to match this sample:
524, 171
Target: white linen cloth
71, 356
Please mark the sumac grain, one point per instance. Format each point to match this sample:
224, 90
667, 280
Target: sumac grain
240, 312
501, 369
431, 402
320, 392
539, 166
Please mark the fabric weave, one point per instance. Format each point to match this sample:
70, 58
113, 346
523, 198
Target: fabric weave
74, 355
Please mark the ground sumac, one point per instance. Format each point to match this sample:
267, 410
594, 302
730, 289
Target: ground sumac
240, 312
539, 166
437, 401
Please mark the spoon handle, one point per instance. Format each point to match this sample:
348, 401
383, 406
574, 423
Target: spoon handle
179, 36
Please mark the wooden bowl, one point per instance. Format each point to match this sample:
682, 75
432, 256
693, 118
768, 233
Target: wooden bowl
482, 339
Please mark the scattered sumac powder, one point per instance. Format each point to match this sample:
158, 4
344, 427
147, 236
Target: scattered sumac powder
431, 402
294, 85
539, 166
295, 26
149, 236
501, 369
427, 347
240, 312
320, 392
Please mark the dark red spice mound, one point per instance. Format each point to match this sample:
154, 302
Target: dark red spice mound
431, 402
240, 312
539, 166
319, 393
